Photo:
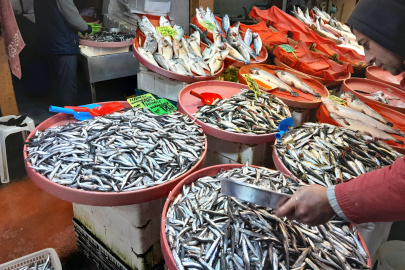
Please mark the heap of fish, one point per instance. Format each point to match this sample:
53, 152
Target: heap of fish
47, 265
244, 113
239, 49
326, 155
126, 151
180, 55
104, 36
283, 82
360, 117
208, 230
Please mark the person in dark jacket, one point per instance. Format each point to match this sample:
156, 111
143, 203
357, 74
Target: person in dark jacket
376, 196
58, 23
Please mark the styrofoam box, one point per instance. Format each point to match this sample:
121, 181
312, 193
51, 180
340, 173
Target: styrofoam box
159, 85
225, 152
97, 51
152, 6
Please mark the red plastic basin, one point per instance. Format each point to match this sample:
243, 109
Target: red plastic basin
100, 198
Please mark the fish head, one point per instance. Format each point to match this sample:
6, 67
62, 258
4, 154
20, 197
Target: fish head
255, 35
255, 70
330, 105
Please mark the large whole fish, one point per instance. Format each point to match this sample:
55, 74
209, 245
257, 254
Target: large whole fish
126, 151
196, 36
225, 23
179, 30
161, 60
257, 43
325, 154
282, 86
290, 79
248, 37
208, 230
332, 106
353, 102
165, 49
150, 43
244, 113
147, 55
363, 127
165, 22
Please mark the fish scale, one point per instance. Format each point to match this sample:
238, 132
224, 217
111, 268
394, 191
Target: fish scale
342, 155
232, 234
124, 151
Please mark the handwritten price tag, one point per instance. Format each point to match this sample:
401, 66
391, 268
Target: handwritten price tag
139, 101
252, 85
288, 48
166, 30
160, 106
208, 25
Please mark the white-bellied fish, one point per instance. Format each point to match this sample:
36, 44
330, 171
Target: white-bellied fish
282, 86
257, 43
290, 79
248, 37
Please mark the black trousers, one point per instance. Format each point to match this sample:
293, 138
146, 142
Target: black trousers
63, 68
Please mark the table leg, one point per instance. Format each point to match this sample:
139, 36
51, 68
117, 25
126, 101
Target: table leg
93, 92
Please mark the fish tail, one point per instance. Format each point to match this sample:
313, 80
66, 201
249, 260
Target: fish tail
400, 133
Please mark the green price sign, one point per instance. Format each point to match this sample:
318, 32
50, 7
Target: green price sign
166, 30
288, 48
252, 85
160, 106
338, 100
208, 25
139, 101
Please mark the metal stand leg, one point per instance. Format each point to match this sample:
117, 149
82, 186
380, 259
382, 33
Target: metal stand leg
93, 92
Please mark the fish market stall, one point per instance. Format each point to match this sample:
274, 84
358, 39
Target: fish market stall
117, 170
234, 137
262, 241
106, 56
376, 92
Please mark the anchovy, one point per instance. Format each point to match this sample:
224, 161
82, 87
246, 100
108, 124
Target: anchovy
244, 113
208, 230
105, 36
327, 155
124, 151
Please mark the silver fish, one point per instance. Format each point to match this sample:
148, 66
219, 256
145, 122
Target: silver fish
282, 86
290, 79
150, 43
160, 60
225, 23
257, 43
179, 30
248, 37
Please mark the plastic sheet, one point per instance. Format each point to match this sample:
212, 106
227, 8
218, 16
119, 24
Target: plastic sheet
284, 23
267, 36
313, 63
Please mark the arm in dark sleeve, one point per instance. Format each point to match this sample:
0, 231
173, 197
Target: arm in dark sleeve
71, 14
375, 196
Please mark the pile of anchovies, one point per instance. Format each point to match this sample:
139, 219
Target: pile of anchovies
208, 230
326, 155
125, 151
244, 113
104, 36
262, 177
47, 265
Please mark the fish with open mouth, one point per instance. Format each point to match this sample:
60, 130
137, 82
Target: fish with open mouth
326, 155
244, 113
206, 229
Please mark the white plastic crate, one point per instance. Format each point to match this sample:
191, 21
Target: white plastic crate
159, 85
40, 257
226, 152
98, 51
147, 6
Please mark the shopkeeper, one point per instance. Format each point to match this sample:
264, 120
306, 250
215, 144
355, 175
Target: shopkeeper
58, 23
379, 195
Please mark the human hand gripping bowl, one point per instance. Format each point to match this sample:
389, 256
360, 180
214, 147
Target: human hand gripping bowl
309, 205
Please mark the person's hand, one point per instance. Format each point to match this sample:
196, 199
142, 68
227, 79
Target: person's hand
89, 30
309, 205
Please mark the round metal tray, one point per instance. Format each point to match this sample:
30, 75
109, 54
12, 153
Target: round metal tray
94, 197
188, 104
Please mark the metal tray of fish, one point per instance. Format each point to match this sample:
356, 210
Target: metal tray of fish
188, 104
326, 155
303, 100
204, 229
94, 177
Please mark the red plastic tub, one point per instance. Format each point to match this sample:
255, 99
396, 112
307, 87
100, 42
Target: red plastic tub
189, 104
213, 170
375, 86
303, 101
384, 76
100, 198
319, 79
